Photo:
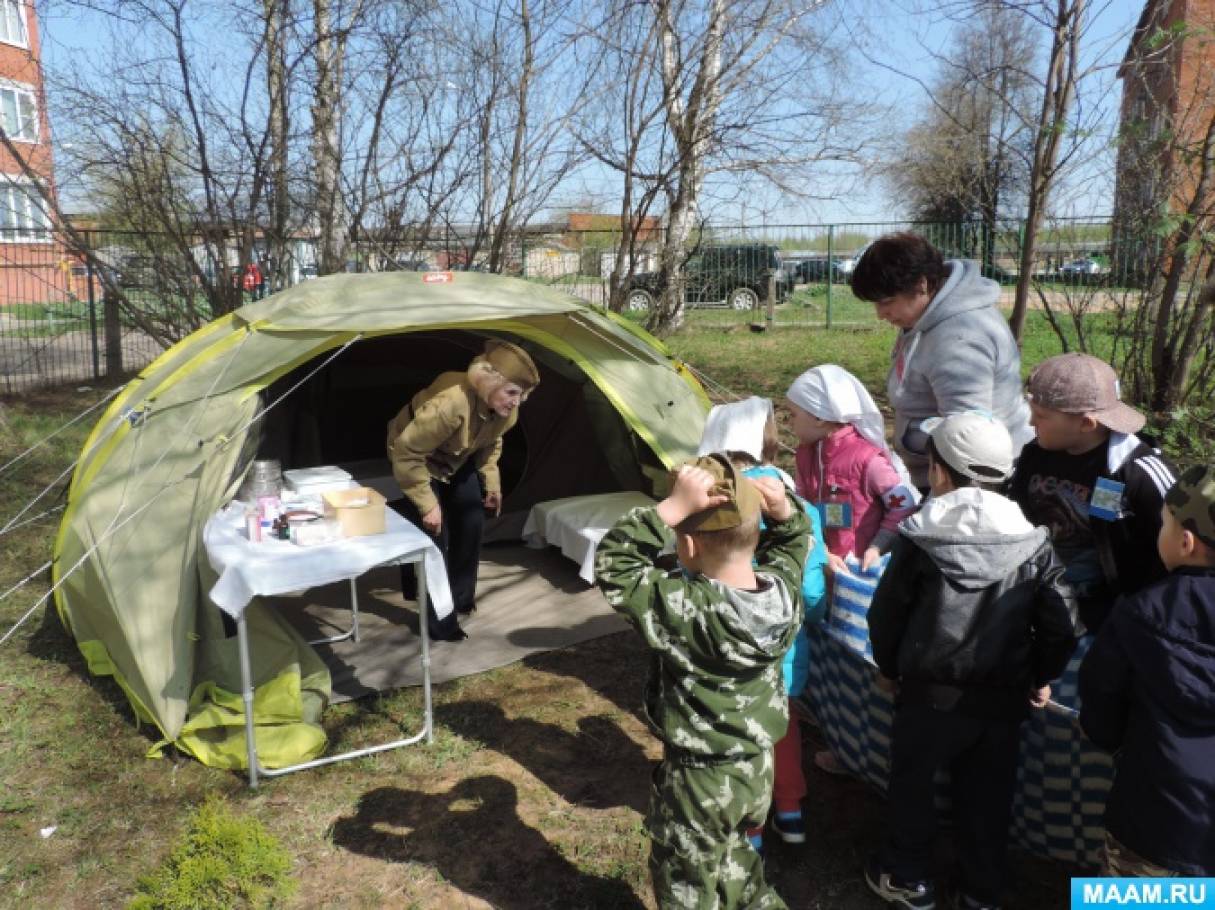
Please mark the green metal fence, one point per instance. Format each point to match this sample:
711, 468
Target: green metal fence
61, 322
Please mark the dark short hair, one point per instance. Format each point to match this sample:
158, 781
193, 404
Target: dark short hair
894, 264
957, 478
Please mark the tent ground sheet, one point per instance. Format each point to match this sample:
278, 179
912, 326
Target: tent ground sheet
528, 601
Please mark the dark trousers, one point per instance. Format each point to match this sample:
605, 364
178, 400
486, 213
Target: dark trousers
981, 756
459, 540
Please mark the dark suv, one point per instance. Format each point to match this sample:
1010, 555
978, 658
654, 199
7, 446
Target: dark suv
733, 275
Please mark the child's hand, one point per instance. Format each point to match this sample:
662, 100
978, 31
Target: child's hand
836, 565
776, 504
872, 557
692, 493
1039, 697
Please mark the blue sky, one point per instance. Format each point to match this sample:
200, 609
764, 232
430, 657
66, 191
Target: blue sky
873, 30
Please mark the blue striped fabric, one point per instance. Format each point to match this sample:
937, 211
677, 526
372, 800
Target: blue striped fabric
848, 620
1062, 780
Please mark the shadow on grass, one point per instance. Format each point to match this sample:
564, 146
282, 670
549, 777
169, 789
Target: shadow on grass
598, 767
473, 837
614, 666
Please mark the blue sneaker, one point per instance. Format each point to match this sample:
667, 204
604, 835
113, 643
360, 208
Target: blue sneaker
790, 827
911, 895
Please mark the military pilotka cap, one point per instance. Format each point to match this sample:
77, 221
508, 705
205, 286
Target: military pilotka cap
1082, 384
512, 362
1192, 502
741, 507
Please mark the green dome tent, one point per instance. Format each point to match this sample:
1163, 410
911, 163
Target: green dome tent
311, 376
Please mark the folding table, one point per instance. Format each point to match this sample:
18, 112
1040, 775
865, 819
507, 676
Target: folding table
248, 569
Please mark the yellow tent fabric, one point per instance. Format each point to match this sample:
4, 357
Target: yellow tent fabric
173, 447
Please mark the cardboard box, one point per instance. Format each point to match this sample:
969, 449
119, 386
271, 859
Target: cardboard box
360, 511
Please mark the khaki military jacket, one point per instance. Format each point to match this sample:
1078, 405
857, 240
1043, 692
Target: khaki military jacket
715, 690
444, 425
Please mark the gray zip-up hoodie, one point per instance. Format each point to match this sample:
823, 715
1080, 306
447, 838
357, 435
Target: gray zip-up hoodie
960, 356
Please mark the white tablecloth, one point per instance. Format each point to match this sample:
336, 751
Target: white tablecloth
576, 524
278, 566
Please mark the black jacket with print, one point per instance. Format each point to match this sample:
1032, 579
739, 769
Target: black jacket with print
1126, 545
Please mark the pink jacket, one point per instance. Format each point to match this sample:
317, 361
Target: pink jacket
847, 467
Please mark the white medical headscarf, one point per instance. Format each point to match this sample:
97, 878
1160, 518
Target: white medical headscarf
737, 427
830, 392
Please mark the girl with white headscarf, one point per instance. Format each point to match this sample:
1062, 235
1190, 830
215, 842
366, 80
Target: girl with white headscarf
845, 467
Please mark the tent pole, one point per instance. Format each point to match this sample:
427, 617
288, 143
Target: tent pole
246, 685
423, 625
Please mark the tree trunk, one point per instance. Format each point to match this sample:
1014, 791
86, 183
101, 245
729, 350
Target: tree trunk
691, 123
518, 152
326, 148
275, 12
1059, 87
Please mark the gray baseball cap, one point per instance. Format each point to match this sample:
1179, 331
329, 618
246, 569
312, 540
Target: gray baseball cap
973, 443
1081, 384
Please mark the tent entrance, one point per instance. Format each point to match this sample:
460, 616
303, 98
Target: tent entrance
569, 441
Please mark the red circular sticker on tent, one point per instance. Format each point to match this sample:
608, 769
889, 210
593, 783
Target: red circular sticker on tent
438, 277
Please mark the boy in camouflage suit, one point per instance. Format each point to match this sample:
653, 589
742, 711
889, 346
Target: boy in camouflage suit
715, 697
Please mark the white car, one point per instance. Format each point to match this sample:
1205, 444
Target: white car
1081, 268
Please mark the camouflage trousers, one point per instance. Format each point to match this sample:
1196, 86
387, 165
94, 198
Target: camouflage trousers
700, 858
1118, 861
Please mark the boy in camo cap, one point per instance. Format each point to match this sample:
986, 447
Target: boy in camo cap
718, 629
1147, 691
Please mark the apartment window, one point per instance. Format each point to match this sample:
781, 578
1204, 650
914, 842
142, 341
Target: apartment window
18, 113
23, 216
12, 23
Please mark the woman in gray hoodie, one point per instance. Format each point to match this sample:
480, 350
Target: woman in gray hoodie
955, 352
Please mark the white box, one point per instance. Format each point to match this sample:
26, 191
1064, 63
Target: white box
320, 479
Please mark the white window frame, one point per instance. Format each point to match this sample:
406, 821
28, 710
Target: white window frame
23, 39
33, 220
22, 90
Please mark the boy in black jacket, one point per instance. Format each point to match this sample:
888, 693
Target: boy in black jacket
1147, 693
1091, 482
973, 619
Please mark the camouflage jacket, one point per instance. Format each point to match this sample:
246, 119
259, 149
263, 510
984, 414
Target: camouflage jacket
715, 690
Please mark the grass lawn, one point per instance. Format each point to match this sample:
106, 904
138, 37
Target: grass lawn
531, 795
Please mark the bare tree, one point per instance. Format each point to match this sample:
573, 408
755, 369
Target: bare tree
966, 159
1065, 21
708, 89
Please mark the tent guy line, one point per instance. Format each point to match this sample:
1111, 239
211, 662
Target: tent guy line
46, 439
117, 525
29, 505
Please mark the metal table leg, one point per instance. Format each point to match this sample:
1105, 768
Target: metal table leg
426, 733
353, 631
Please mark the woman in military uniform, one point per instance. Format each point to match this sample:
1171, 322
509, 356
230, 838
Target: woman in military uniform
444, 447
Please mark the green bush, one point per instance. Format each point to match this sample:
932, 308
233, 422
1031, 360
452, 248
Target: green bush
223, 861
1189, 435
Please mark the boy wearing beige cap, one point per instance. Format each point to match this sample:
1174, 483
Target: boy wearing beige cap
972, 619
1147, 691
1093, 483
717, 629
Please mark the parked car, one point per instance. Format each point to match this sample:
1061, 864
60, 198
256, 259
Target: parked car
1081, 268
809, 270
733, 275
413, 264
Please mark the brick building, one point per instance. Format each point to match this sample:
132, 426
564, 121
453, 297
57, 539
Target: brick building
34, 267
1168, 106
